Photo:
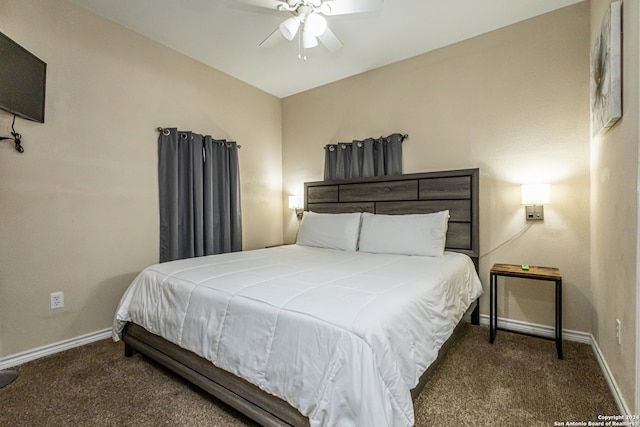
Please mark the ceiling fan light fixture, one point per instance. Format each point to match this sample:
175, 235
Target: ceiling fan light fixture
316, 24
289, 27
308, 39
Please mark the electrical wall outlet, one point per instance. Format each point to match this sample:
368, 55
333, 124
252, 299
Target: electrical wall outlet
56, 300
534, 212
619, 331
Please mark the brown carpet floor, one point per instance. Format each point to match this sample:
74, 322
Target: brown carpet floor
518, 381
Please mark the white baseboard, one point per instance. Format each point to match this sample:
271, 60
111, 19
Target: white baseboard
47, 350
613, 385
581, 337
536, 329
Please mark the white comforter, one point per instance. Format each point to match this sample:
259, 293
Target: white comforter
341, 336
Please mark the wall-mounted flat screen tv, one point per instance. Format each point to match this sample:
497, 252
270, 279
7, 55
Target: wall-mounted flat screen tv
22, 81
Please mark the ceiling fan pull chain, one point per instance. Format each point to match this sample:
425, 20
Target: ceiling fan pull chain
302, 51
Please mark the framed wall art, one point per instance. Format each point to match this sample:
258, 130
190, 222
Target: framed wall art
606, 72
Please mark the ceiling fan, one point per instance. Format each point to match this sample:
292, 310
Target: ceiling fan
308, 21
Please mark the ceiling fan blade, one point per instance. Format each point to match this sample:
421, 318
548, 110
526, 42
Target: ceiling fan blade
267, 4
272, 39
343, 7
330, 40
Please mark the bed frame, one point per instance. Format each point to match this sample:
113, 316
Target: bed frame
455, 190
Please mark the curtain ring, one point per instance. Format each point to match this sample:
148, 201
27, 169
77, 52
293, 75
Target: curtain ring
359, 144
331, 147
165, 132
183, 135
344, 146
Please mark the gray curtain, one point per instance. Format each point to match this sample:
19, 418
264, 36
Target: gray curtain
358, 159
199, 191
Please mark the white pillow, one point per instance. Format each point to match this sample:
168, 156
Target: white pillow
334, 231
413, 234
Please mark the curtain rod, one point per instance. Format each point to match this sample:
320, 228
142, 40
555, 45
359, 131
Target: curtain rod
161, 129
402, 138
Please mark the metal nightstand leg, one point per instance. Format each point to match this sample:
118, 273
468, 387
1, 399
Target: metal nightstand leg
559, 318
493, 315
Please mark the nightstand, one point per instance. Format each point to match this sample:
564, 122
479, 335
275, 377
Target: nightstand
537, 273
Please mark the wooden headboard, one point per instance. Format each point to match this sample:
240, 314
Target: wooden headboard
427, 192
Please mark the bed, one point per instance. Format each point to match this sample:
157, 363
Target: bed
362, 314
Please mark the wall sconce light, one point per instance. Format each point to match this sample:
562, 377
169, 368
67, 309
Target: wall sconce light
534, 197
296, 202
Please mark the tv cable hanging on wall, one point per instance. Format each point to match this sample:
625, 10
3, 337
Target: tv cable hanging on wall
15, 136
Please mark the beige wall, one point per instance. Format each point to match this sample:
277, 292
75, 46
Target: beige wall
513, 102
614, 216
79, 210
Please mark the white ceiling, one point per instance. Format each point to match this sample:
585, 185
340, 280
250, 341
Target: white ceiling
226, 37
